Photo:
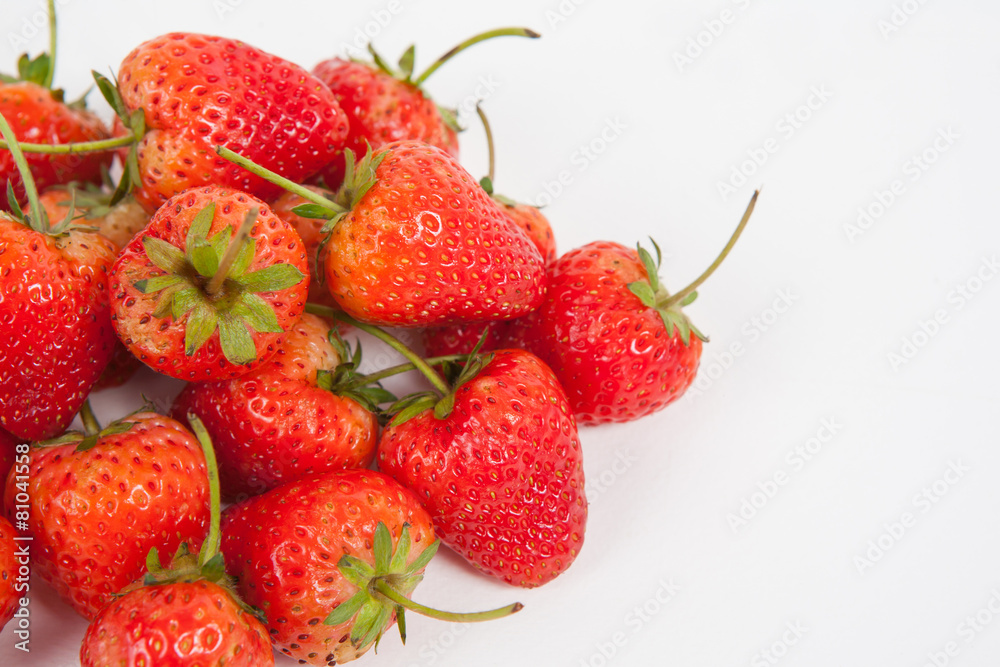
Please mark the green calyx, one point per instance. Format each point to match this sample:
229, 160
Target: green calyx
209, 281
359, 178
442, 399
87, 441
135, 122
345, 379
384, 587
654, 295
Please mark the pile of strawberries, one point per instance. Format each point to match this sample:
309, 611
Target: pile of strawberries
263, 215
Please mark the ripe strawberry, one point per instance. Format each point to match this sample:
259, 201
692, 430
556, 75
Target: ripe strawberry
98, 503
176, 625
424, 245
384, 105
8, 453
618, 342
282, 421
195, 302
118, 223
9, 591
185, 614
199, 91
462, 338
54, 309
285, 547
500, 470
38, 115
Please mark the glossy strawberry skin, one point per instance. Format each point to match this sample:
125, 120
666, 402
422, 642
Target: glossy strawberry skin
8, 454
426, 246
380, 109
94, 515
283, 548
37, 117
502, 476
275, 424
9, 593
54, 309
462, 338
611, 353
176, 625
199, 91
159, 343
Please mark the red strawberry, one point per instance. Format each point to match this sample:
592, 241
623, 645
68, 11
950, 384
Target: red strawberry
118, 223
98, 503
8, 454
176, 625
186, 614
54, 309
462, 338
384, 105
618, 342
281, 422
10, 592
199, 91
500, 470
284, 548
193, 301
425, 245
38, 115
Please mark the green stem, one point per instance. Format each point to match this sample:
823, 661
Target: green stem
680, 296
99, 146
387, 591
211, 545
489, 139
90, 424
37, 214
215, 284
482, 37
432, 376
277, 179
52, 46
364, 380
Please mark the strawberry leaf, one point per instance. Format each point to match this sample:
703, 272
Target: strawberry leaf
201, 324
243, 258
406, 62
314, 211
645, 293
203, 257
237, 343
155, 284
110, 92
345, 611
184, 300
201, 224
382, 548
272, 278
257, 313
689, 298
165, 256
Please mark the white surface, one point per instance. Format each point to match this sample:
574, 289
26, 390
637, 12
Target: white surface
661, 488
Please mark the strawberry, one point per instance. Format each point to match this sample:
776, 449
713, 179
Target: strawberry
284, 548
97, 503
118, 223
183, 93
462, 338
281, 421
207, 288
497, 462
331, 560
181, 615
54, 309
9, 589
617, 340
384, 105
424, 245
8, 454
39, 115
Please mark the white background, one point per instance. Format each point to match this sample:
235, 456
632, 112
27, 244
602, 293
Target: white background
662, 490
